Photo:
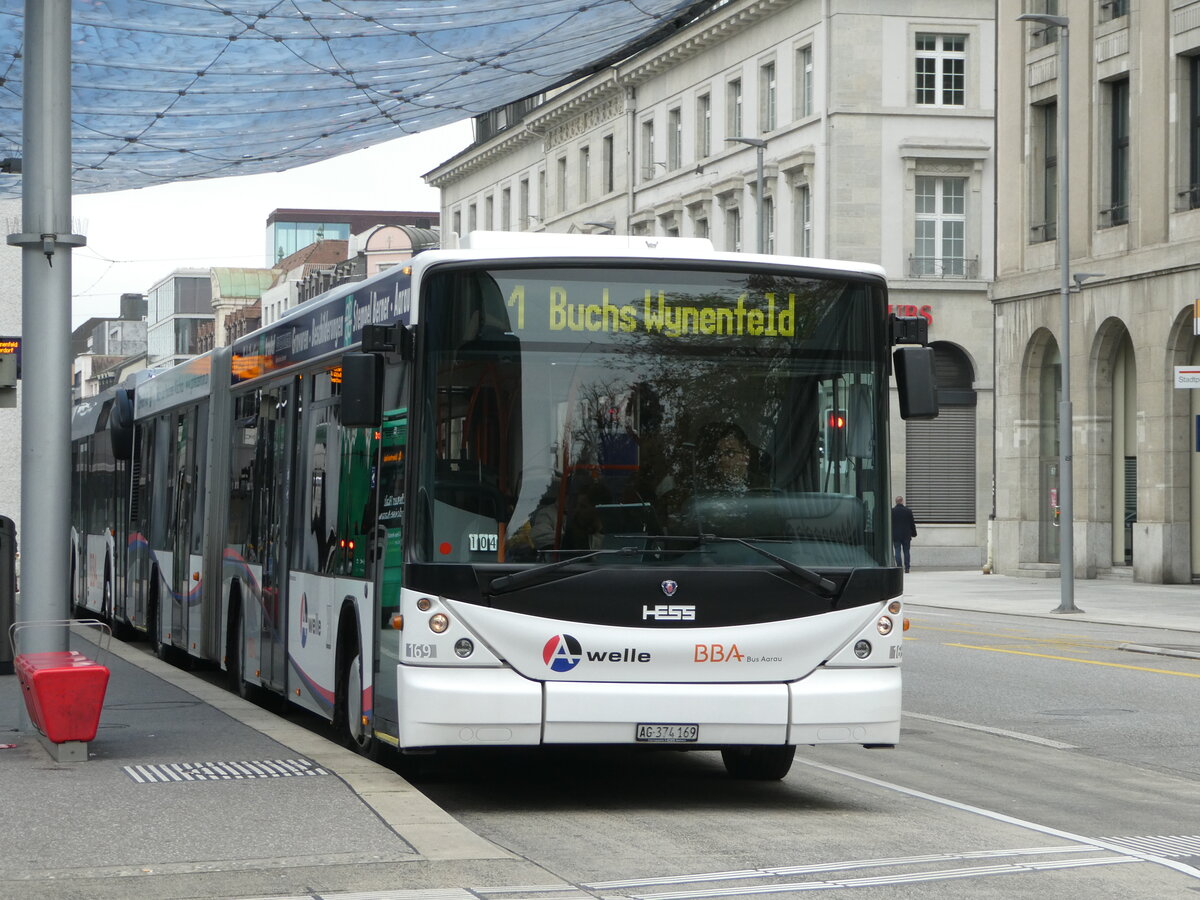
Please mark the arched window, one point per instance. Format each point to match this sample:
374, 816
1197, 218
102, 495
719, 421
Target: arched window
940, 458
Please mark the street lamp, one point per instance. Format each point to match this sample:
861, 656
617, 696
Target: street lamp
759, 145
1066, 544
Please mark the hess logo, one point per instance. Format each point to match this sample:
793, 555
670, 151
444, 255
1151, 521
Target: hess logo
669, 612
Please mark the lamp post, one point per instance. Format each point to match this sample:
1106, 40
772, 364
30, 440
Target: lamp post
1066, 534
759, 145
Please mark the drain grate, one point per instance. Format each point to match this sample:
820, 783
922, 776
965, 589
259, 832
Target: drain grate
166, 773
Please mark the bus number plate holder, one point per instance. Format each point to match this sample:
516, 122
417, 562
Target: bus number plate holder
666, 733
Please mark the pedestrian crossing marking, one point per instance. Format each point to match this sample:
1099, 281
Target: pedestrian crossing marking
174, 773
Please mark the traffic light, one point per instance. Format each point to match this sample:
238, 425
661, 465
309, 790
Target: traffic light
835, 434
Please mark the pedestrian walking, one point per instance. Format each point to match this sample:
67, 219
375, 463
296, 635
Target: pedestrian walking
904, 529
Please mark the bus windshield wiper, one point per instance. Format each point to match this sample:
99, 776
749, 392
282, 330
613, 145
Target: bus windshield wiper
816, 579
532, 576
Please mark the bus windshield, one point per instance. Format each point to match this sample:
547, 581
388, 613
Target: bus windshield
689, 414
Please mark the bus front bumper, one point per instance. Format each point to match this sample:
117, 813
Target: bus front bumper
447, 707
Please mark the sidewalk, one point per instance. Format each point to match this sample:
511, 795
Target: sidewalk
1112, 602
190, 791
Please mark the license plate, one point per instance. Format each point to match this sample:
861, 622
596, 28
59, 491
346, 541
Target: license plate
661, 733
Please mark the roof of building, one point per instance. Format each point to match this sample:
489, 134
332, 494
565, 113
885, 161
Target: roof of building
241, 283
318, 253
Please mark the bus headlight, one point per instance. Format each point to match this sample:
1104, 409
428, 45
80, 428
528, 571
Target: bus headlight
464, 647
884, 625
439, 622
862, 649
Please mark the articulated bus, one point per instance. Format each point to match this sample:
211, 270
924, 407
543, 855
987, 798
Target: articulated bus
101, 428
544, 489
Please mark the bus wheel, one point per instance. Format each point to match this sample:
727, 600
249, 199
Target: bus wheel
76, 607
758, 763
162, 650
349, 703
233, 657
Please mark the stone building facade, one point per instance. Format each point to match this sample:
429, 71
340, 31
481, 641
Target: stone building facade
877, 124
1133, 177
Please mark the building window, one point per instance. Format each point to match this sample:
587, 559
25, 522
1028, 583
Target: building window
804, 82
506, 209
1040, 35
703, 126
941, 70
733, 229
674, 139
1117, 211
733, 108
560, 184
648, 150
1113, 9
608, 162
472, 218
939, 249
457, 220
701, 227
767, 98
1045, 152
541, 197
585, 173
523, 203
489, 212
1190, 196
803, 221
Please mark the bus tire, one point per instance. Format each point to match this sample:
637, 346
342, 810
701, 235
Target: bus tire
160, 648
348, 704
233, 655
758, 763
76, 607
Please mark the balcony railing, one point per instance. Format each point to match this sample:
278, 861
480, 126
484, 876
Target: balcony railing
1188, 198
1039, 234
1113, 9
1114, 215
943, 267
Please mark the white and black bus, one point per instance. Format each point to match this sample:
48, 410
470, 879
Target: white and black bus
545, 489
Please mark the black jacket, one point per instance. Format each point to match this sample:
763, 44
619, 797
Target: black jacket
904, 526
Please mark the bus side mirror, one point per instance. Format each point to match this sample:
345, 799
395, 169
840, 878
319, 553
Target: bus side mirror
916, 383
362, 390
120, 425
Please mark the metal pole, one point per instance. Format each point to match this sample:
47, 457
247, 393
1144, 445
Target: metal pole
762, 231
759, 145
46, 242
1066, 484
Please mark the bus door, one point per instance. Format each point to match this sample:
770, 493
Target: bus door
273, 477
186, 531
387, 555
316, 546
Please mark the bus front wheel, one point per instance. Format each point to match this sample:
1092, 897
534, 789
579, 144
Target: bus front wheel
355, 733
758, 763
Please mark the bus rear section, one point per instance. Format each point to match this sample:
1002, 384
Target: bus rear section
646, 503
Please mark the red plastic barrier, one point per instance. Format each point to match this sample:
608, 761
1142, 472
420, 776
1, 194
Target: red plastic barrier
64, 693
